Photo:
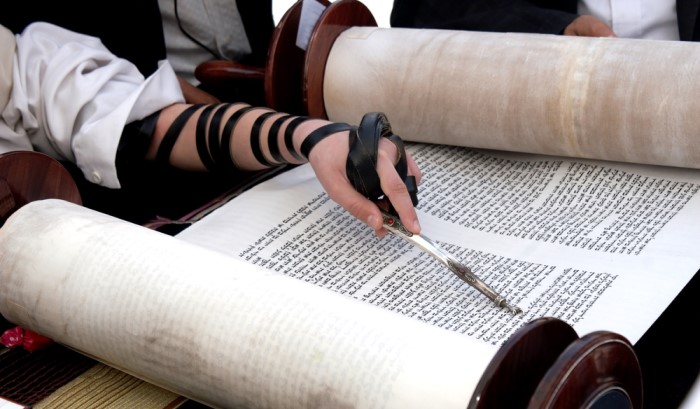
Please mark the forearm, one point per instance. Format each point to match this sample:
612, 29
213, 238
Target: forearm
255, 138
219, 137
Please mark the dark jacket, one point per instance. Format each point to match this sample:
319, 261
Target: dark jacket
131, 29
525, 16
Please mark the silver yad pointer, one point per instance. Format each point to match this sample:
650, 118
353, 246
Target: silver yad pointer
394, 226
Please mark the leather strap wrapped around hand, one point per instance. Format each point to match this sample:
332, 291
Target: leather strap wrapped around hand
361, 165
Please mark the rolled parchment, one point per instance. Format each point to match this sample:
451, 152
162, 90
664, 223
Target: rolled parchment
603, 98
215, 328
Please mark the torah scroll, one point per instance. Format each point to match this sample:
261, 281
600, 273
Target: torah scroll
613, 99
217, 329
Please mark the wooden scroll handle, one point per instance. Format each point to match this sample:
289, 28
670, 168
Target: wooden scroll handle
217, 72
338, 17
26, 176
284, 71
545, 365
292, 76
280, 78
598, 371
519, 365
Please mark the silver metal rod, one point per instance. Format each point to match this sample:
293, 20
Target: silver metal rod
394, 226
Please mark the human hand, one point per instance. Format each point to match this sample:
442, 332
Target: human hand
333, 177
588, 26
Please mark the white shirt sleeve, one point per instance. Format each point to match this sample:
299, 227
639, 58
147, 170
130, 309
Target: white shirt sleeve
71, 99
649, 19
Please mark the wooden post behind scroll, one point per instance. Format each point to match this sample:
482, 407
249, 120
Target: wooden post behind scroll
291, 74
284, 70
282, 74
338, 17
285, 73
26, 176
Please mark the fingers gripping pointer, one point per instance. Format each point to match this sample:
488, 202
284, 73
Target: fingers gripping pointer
378, 172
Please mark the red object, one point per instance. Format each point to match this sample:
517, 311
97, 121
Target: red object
27, 339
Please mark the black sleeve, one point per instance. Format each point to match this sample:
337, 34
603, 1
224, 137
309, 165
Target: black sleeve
541, 16
131, 29
259, 24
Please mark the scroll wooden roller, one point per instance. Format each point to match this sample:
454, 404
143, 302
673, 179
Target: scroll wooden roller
283, 75
546, 365
612, 99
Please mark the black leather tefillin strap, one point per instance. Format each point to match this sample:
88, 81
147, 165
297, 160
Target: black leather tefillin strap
361, 165
320, 134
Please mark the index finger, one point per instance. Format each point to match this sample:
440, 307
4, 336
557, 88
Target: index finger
395, 190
